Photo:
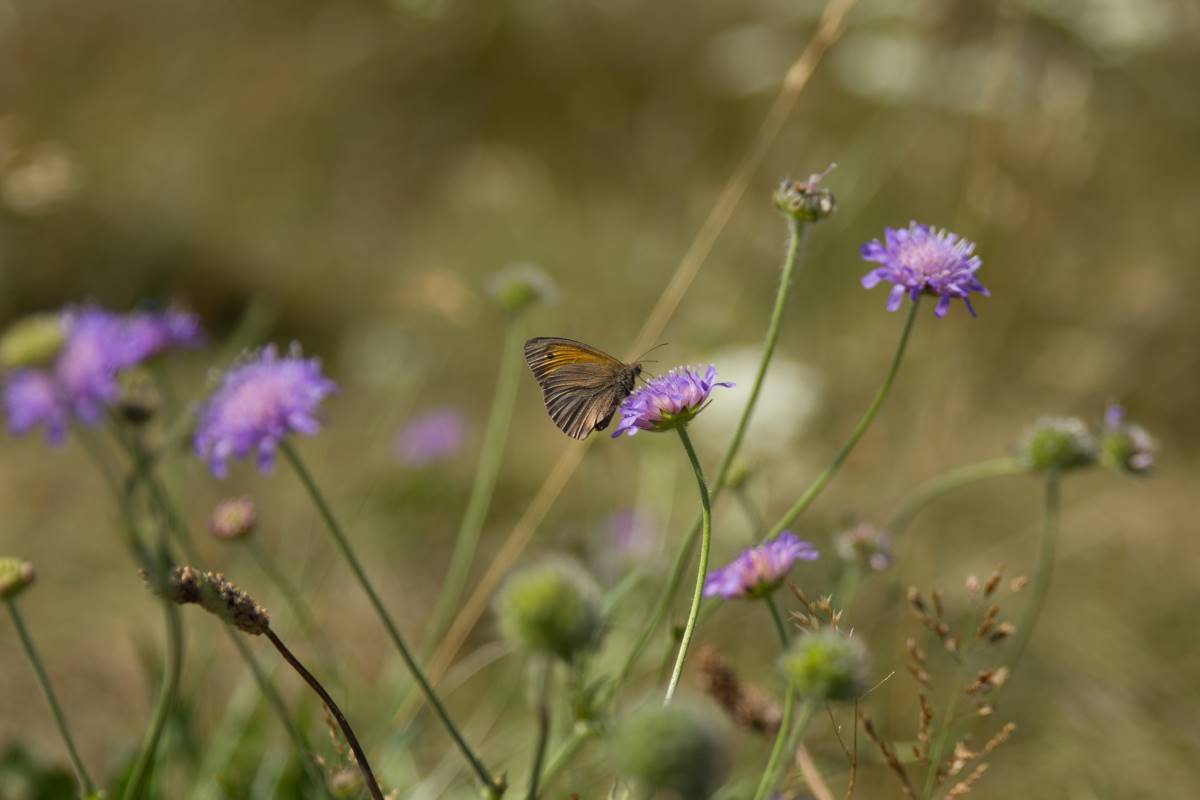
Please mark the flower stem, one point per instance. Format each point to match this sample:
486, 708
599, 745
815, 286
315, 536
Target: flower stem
948, 482
566, 751
787, 732
359, 756
495, 786
797, 239
1041, 573
482, 489
139, 778
705, 541
777, 618
87, 788
267, 563
543, 732
821, 481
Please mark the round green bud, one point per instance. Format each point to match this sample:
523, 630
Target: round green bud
1124, 445
826, 665
33, 341
552, 607
15, 576
521, 286
805, 201
680, 750
1058, 443
138, 398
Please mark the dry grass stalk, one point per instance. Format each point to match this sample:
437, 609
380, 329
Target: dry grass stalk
988, 679
964, 786
1019, 583
747, 706
889, 757
924, 727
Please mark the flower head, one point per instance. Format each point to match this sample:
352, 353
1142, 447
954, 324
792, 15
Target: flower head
234, 518
552, 607
678, 751
758, 571
1125, 445
1058, 443
15, 576
434, 436
667, 401
826, 665
33, 341
517, 287
865, 545
34, 397
259, 402
147, 334
920, 259
94, 352
806, 201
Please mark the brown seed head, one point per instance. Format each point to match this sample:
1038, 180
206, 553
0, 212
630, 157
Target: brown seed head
216, 595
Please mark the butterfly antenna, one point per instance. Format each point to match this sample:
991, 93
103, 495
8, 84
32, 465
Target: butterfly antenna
651, 350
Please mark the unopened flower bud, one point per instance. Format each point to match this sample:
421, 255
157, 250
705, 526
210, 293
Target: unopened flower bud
138, 398
866, 546
521, 286
806, 201
234, 518
1058, 443
15, 576
552, 607
826, 665
1124, 445
679, 750
32, 342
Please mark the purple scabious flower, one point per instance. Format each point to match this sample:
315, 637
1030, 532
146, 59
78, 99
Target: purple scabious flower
760, 570
92, 355
34, 397
1126, 445
434, 436
259, 402
921, 259
667, 401
146, 334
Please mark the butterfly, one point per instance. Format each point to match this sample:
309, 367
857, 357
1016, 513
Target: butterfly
582, 386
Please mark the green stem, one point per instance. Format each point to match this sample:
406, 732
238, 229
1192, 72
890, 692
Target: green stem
948, 482
543, 731
777, 618
789, 702
787, 734
266, 562
689, 629
87, 788
1041, 572
495, 786
484, 486
139, 778
946, 730
567, 751
797, 238
818, 485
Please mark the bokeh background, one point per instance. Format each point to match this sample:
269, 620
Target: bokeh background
348, 175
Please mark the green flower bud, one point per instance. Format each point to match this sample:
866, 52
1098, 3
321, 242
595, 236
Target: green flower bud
32, 342
826, 665
15, 576
679, 749
1124, 445
521, 286
138, 399
805, 201
739, 473
1058, 443
552, 607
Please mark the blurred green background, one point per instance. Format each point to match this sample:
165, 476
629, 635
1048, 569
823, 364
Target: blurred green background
354, 171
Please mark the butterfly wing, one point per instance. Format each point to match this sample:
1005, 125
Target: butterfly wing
582, 386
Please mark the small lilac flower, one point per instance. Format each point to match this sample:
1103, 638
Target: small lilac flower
90, 359
920, 259
760, 570
434, 436
866, 545
667, 401
234, 518
34, 397
1126, 445
146, 334
259, 402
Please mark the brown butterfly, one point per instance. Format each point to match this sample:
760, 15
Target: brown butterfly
582, 386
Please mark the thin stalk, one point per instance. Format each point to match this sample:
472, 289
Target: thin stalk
139, 778
87, 787
484, 485
543, 730
818, 485
787, 734
767, 781
1041, 572
266, 562
567, 751
777, 618
359, 756
948, 482
945, 732
495, 786
689, 629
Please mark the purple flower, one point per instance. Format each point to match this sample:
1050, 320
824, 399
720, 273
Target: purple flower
33, 397
433, 436
866, 545
920, 259
1126, 445
667, 401
89, 362
259, 402
146, 334
760, 570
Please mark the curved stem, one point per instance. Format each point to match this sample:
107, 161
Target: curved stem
1041, 572
797, 239
482, 489
948, 482
86, 786
495, 786
689, 629
543, 732
359, 756
566, 751
821, 481
139, 778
